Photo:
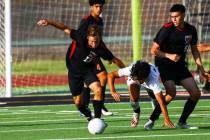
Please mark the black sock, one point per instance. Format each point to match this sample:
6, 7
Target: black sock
156, 113
137, 110
103, 94
86, 96
97, 105
85, 111
188, 109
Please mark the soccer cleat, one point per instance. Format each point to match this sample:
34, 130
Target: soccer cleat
149, 125
135, 119
182, 126
106, 113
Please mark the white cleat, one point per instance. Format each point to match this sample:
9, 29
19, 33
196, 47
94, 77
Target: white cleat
135, 120
149, 125
106, 113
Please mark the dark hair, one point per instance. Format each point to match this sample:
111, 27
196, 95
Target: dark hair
94, 30
178, 8
141, 70
92, 2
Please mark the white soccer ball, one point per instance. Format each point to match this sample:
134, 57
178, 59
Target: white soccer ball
96, 126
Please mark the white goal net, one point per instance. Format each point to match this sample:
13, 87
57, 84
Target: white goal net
39, 53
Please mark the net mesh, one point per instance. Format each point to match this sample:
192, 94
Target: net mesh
39, 52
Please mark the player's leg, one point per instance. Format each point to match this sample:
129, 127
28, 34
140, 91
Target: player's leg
91, 80
75, 86
134, 93
190, 85
102, 76
170, 88
152, 98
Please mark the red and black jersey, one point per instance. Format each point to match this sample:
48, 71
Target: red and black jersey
174, 40
90, 20
80, 58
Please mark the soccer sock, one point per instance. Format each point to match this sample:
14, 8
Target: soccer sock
103, 93
97, 105
156, 113
86, 96
135, 106
84, 110
188, 109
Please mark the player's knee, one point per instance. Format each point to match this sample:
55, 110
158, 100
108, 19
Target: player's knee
77, 103
98, 93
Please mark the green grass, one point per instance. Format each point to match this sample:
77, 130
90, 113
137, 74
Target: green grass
58, 67
63, 122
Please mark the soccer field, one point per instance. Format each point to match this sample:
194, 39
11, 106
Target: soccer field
63, 122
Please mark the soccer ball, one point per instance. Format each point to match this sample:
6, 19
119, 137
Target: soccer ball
96, 126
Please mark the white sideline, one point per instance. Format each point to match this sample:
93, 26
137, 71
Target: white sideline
142, 136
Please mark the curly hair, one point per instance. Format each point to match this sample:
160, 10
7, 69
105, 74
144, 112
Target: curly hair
140, 70
92, 2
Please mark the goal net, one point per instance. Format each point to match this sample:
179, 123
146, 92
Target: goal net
39, 52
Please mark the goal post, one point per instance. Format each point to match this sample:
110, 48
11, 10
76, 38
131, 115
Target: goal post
8, 57
136, 30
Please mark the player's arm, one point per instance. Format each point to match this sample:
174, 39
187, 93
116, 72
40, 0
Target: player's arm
61, 26
203, 47
111, 79
197, 58
155, 50
160, 99
118, 62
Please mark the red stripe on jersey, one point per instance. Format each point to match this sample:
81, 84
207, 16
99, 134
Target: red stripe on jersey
74, 45
167, 25
86, 17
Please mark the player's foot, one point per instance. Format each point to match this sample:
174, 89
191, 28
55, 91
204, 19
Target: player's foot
185, 126
106, 113
135, 119
149, 125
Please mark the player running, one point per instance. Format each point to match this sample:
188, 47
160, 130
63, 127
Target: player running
81, 57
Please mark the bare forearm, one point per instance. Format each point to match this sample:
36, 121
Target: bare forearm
118, 62
162, 104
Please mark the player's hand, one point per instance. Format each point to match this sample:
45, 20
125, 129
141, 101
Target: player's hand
206, 75
173, 57
43, 22
168, 123
116, 96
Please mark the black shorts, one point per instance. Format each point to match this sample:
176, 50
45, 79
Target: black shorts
175, 73
77, 81
102, 67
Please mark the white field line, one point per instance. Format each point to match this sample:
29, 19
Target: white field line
81, 128
125, 116
142, 136
26, 112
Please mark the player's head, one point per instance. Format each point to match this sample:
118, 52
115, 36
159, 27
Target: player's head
177, 13
140, 71
93, 36
96, 7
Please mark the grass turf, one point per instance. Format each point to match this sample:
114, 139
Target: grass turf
63, 122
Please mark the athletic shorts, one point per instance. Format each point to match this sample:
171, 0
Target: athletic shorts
175, 73
102, 67
76, 81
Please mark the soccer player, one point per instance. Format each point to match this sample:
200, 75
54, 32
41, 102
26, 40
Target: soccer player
169, 48
81, 57
96, 8
140, 74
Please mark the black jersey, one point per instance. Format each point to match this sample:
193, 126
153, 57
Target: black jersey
90, 20
173, 40
80, 58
